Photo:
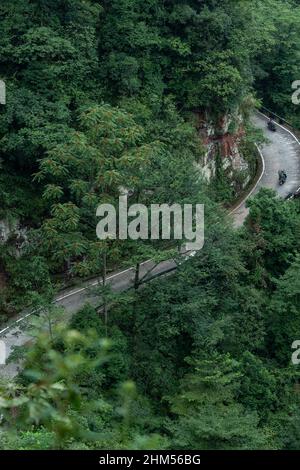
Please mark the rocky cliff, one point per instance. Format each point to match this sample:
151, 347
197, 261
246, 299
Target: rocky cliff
226, 156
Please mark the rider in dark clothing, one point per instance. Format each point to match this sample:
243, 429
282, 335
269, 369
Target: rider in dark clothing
282, 176
271, 125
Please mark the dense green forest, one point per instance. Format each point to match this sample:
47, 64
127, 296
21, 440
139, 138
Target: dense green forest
101, 95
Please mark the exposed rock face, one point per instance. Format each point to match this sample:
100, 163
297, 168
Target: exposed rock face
222, 141
12, 232
15, 236
6, 229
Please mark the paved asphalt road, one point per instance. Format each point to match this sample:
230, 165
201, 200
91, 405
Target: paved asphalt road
281, 152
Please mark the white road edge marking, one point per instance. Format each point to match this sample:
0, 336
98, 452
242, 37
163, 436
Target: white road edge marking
285, 129
70, 294
257, 183
82, 289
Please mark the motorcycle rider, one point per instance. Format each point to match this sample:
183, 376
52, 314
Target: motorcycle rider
282, 176
271, 125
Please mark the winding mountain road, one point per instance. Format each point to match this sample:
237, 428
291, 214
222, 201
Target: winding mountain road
281, 152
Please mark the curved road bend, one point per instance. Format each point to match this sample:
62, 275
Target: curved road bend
282, 151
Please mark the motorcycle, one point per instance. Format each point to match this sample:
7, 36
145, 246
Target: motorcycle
271, 126
282, 177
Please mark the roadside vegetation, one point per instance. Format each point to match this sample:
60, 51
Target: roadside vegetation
100, 96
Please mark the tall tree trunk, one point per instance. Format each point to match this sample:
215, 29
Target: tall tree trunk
137, 276
104, 275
